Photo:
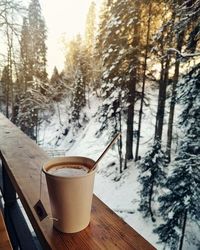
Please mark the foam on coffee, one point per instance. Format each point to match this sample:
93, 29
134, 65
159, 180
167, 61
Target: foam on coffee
69, 170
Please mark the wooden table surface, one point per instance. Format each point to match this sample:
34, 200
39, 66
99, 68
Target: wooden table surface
23, 160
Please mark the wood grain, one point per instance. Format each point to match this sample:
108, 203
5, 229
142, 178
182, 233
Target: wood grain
4, 238
23, 160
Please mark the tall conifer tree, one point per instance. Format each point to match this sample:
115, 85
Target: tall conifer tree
37, 33
33, 68
91, 64
119, 45
152, 177
25, 48
76, 75
5, 83
181, 202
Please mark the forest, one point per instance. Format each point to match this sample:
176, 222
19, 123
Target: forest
129, 49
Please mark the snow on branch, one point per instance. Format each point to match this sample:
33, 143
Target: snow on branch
183, 55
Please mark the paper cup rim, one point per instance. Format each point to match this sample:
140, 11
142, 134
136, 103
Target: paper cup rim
62, 159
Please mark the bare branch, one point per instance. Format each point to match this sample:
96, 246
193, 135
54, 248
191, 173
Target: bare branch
182, 55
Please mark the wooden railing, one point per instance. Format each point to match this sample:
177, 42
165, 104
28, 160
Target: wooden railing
21, 161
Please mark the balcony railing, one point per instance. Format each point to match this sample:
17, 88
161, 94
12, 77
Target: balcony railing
21, 161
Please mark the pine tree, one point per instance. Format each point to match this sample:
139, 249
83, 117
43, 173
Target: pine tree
75, 61
134, 70
152, 177
119, 44
91, 63
189, 23
37, 33
165, 40
103, 19
32, 107
55, 78
186, 30
33, 68
182, 199
25, 48
90, 28
10, 20
5, 83
76, 77
179, 44
78, 101
147, 45
56, 83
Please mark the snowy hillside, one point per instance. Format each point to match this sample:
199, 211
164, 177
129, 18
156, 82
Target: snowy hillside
120, 193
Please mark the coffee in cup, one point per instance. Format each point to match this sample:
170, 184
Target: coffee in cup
69, 170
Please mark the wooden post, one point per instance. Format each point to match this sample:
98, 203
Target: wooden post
18, 230
9, 196
9, 193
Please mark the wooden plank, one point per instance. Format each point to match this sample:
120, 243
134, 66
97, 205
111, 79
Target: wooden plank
23, 160
4, 238
17, 225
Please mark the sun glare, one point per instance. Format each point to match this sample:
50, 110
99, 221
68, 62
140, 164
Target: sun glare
64, 19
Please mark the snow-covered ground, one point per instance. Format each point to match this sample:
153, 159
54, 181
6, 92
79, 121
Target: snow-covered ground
122, 196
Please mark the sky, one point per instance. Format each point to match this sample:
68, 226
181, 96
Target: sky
64, 19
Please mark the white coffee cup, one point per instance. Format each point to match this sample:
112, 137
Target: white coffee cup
70, 189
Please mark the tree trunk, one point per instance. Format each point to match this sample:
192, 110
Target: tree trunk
150, 200
164, 79
7, 99
15, 110
118, 128
59, 116
173, 97
9, 38
129, 131
161, 101
161, 80
132, 87
120, 145
183, 230
143, 83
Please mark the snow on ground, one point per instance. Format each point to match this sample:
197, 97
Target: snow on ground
122, 195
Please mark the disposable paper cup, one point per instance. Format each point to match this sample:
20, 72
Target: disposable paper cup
70, 197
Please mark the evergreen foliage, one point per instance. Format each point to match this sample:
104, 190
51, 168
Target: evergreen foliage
5, 88
92, 66
90, 28
26, 66
76, 76
152, 177
164, 39
119, 57
5, 80
37, 38
78, 99
181, 202
189, 13
33, 69
75, 61
32, 107
57, 83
